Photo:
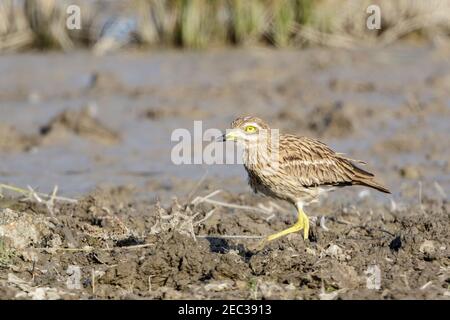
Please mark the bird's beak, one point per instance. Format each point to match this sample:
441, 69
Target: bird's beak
230, 136
222, 138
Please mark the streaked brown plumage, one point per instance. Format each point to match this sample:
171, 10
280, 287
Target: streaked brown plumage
303, 170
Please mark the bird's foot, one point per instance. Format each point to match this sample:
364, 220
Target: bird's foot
259, 246
302, 223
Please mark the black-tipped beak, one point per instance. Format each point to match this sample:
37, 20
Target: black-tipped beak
222, 138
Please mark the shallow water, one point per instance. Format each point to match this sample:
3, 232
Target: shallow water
215, 87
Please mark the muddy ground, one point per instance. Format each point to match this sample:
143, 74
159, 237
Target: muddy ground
100, 128
110, 247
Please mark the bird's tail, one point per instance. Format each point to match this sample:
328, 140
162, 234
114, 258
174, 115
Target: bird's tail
365, 178
374, 184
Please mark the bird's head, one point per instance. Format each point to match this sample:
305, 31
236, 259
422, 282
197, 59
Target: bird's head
246, 131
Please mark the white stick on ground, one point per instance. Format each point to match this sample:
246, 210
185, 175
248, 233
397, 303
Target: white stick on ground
90, 249
198, 200
36, 195
209, 214
207, 199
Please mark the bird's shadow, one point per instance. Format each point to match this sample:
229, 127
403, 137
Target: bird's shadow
222, 246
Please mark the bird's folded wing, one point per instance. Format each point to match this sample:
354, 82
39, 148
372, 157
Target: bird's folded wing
312, 163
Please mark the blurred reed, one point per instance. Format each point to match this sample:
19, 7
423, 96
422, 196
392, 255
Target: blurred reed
204, 23
46, 19
14, 31
343, 23
209, 23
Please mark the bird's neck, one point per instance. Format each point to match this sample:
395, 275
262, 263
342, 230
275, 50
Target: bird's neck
260, 155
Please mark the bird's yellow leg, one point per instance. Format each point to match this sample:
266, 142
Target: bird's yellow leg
302, 223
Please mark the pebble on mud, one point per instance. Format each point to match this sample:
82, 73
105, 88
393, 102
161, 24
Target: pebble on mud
21, 229
336, 252
428, 249
218, 286
410, 172
395, 244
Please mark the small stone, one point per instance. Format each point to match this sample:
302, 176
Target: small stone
241, 285
396, 244
218, 286
29, 256
21, 229
336, 252
427, 247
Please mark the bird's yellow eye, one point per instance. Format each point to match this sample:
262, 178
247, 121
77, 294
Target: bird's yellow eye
250, 129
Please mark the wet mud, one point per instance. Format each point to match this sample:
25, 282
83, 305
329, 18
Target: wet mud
100, 129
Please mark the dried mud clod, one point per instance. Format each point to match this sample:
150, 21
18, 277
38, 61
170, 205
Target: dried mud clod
82, 123
123, 248
104, 81
178, 261
11, 140
332, 120
21, 230
166, 112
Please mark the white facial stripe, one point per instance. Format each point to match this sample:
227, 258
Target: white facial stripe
237, 133
240, 134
